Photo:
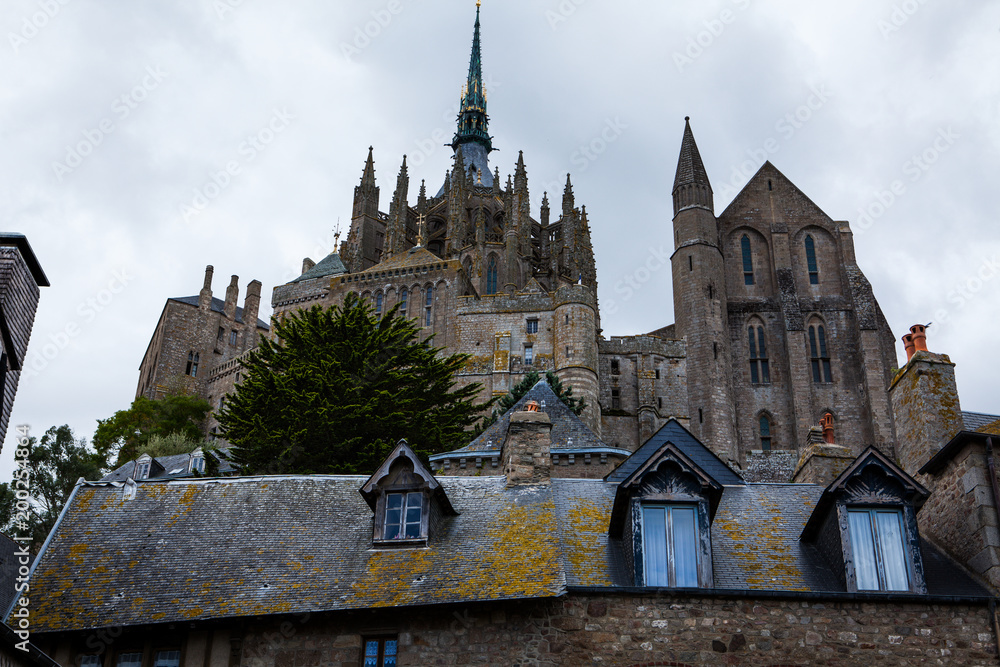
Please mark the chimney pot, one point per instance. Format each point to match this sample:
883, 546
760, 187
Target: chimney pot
909, 346
827, 423
919, 333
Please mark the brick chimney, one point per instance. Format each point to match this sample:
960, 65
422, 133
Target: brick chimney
925, 402
823, 460
526, 454
232, 294
251, 308
205, 296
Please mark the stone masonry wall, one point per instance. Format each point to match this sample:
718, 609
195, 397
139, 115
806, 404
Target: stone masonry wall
608, 630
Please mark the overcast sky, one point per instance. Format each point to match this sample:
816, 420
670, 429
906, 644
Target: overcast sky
117, 120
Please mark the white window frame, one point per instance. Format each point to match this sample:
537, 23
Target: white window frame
879, 558
670, 546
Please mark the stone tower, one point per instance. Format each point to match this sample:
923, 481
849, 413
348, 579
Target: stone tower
701, 308
780, 323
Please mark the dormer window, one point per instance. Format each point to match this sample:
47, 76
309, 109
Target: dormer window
198, 461
406, 500
866, 521
142, 469
670, 545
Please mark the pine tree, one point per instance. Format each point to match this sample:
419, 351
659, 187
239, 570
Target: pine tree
335, 389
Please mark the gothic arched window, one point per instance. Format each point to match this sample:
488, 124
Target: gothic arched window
765, 432
760, 372
747, 260
403, 296
811, 261
428, 305
819, 354
378, 305
491, 276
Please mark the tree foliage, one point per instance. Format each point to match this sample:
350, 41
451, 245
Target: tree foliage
337, 388
124, 436
54, 464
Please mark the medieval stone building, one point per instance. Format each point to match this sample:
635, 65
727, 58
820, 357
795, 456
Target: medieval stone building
776, 324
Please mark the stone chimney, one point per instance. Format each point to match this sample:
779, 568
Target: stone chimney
526, 455
232, 294
251, 307
823, 460
925, 402
205, 296
307, 264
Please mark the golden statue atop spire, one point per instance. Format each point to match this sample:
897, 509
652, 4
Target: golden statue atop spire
479, 3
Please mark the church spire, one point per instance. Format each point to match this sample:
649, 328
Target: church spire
691, 186
473, 123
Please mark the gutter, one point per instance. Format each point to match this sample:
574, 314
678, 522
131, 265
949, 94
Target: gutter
45, 545
830, 596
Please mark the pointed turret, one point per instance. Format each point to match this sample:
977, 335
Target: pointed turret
360, 250
569, 202
691, 186
546, 211
366, 194
395, 241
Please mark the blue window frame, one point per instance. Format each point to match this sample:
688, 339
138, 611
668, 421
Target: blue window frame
811, 261
878, 549
380, 652
670, 545
747, 260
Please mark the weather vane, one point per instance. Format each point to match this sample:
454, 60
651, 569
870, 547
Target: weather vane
336, 235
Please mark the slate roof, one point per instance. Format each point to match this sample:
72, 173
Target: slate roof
218, 306
981, 422
176, 465
568, 431
331, 265
673, 432
8, 569
243, 546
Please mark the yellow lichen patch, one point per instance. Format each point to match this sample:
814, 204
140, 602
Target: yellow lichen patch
77, 554
992, 428
765, 557
389, 577
84, 499
184, 502
588, 521
521, 558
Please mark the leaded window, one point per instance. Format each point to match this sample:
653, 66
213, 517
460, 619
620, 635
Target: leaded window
404, 295
879, 552
378, 304
760, 372
747, 260
428, 305
670, 545
402, 515
819, 355
491, 276
765, 433
811, 261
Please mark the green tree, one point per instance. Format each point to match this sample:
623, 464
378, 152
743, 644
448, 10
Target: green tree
54, 465
124, 436
337, 388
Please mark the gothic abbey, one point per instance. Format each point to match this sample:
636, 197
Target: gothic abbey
775, 323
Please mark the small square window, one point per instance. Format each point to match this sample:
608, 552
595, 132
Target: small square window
402, 515
531, 326
380, 652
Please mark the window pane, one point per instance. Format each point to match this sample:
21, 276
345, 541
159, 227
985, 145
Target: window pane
890, 541
685, 545
654, 545
754, 377
90, 661
765, 372
394, 500
811, 255
822, 343
167, 659
863, 547
130, 660
753, 344
827, 377
371, 653
816, 375
760, 338
812, 343
390, 648
747, 257
765, 426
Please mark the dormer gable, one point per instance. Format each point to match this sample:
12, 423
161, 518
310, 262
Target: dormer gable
406, 498
865, 523
667, 495
146, 467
